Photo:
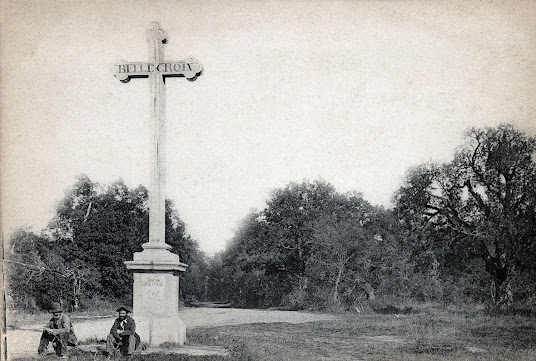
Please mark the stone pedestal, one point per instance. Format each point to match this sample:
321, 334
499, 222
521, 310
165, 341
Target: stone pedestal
156, 294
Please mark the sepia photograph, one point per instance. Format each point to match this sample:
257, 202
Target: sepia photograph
268, 180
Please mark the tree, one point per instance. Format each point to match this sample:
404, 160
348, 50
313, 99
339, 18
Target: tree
25, 269
215, 282
83, 249
479, 206
252, 267
193, 279
32, 266
338, 243
358, 254
289, 215
311, 247
96, 229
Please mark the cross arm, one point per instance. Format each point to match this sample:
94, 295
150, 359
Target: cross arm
188, 68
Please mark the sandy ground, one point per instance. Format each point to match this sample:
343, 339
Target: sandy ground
24, 341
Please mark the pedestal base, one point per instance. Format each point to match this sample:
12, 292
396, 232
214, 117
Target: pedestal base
156, 295
159, 330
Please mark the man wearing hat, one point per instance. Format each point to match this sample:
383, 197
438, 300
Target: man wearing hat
123, 334
59, 331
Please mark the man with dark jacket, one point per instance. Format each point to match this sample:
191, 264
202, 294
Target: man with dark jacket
59, 331
123, 334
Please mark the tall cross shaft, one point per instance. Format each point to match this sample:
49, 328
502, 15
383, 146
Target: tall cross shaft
157, 198
157, 70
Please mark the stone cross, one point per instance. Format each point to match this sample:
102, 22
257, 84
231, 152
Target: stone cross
156, 269
157, 70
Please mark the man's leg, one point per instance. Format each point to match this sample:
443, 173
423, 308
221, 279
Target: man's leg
43, 343
131, 344
58, 346
110, 344
61, 342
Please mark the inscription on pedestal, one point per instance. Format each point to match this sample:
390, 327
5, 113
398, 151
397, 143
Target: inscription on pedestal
153, 290
156, 294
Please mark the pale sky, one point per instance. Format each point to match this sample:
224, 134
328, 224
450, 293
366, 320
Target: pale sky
351, 92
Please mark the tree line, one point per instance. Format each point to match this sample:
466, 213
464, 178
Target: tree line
460, 231
78, 259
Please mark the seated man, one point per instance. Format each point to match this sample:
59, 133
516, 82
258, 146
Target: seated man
59, 331
123, 334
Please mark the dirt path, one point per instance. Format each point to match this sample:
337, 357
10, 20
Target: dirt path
24, 341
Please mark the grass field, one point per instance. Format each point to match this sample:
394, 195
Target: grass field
432, 333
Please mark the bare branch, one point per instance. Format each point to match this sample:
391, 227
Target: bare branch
478, 198
88, 210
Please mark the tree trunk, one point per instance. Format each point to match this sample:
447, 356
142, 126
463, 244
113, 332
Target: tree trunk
77, 290
370, 291
336, 300
501, 290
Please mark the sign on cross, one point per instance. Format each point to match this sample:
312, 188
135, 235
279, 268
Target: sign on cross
188, 68
157, 70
